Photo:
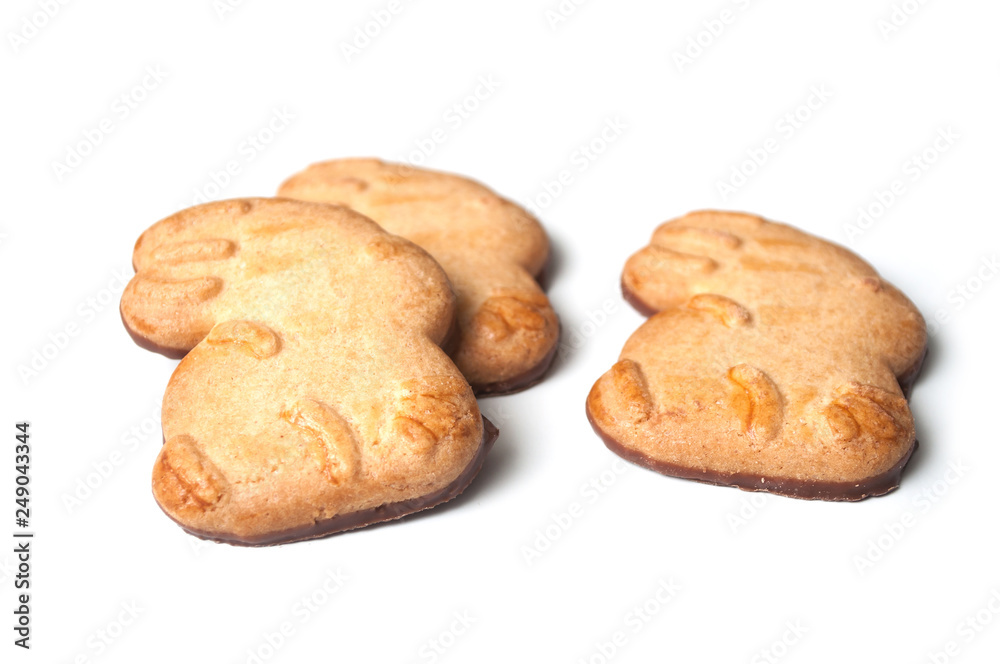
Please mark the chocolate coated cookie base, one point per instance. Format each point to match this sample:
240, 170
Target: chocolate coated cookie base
378, 514
518, 383
809, 490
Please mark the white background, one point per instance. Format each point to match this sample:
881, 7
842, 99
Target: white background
739, 583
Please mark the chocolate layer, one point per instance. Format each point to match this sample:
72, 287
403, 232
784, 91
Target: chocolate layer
387, 512
783, 486
522, 382
534, 375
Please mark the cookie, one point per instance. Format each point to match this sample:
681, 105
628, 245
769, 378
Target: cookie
492, 250
314, 397
774, 361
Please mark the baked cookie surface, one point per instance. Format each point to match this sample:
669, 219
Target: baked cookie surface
773, 361
315, 397
492, 250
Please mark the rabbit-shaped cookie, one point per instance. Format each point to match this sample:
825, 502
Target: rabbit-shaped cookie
313, 396
776, 362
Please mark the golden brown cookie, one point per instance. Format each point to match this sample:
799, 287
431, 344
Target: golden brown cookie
315, 397
777, 362
492, 250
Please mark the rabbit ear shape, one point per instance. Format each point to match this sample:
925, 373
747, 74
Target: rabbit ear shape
171, 314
